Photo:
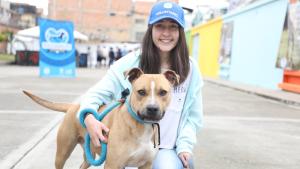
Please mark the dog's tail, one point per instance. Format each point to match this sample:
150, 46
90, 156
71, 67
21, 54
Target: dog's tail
61, 107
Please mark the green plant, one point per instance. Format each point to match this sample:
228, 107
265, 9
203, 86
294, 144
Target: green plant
5, 36
2, 37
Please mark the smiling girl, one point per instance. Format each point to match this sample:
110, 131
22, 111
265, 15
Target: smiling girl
164, 47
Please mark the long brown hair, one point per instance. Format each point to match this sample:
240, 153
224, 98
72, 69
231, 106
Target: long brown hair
179, 60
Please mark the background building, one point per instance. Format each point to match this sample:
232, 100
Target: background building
14, 17
101, 20
140, 19
105, 20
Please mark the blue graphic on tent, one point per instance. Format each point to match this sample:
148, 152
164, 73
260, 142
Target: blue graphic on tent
57, 48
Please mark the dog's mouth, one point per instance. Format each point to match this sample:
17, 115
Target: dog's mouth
150, 118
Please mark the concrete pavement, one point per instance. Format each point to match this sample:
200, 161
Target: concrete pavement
29, 131
277, 95
26, 126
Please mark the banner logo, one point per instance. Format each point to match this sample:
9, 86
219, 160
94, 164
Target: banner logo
57, 40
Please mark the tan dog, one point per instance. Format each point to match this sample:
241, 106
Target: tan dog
130, 143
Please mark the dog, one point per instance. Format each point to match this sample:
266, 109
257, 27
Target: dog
130, 143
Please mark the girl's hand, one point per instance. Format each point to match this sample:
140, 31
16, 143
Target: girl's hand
185, 158
95, 129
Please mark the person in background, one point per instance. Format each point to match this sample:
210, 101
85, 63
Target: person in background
118, 54
100, 56
111, 56
163, 48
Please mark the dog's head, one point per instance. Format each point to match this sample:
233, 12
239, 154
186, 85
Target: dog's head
151, 93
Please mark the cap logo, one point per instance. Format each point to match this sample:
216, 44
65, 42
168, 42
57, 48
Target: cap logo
166, 10
167, 5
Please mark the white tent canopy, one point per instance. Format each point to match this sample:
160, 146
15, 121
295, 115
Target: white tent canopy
34, 32
28, 39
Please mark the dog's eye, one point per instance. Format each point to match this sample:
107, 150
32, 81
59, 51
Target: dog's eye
162, 92
142, 92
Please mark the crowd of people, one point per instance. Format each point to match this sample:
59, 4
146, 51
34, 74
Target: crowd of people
103, 55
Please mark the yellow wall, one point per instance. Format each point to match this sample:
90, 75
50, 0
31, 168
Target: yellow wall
209, 46
188, 37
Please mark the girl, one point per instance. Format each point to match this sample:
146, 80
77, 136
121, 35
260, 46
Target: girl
164, 47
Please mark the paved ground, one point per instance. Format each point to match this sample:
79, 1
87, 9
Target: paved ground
242, 129
25, 126
245, 131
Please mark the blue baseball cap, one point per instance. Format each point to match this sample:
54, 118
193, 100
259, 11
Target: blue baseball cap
166, 10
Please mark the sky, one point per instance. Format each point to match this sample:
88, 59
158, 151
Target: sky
194, 3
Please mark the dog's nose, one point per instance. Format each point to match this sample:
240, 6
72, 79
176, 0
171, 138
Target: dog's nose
152, 109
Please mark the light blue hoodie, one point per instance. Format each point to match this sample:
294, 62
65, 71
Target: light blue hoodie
109, 88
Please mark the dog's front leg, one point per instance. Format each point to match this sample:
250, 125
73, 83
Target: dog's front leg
147, 165
84, 164
112, 166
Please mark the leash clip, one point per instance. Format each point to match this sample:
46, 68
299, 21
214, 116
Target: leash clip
124, 94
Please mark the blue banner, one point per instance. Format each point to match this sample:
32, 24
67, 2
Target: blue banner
57, 48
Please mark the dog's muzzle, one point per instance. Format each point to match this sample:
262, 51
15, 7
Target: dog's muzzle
151, 113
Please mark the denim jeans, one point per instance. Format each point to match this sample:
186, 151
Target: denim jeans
167, 159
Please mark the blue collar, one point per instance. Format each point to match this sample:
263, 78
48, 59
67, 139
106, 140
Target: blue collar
137, 118
132, 113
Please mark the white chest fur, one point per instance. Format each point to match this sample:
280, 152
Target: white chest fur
145, 149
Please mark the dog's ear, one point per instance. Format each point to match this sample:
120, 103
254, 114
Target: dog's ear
172, 77
133, 74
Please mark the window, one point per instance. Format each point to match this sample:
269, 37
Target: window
139, 36
139, 21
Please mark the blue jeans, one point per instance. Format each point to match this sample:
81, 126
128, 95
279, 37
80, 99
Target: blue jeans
167, 159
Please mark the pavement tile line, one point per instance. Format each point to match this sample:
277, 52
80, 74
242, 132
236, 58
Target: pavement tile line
43, 155
26, 112
58, 93
13, 158
30, 160
259, 92
265, 119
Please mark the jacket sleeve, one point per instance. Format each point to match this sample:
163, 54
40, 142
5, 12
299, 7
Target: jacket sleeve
192, 118
106, 90
109, 88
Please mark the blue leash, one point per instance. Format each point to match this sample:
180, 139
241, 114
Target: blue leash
99, 117
87, 142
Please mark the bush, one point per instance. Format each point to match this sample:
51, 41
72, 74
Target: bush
5, 36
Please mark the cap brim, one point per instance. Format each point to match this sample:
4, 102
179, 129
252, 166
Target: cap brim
166, 17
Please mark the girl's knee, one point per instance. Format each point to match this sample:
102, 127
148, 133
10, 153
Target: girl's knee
167, 159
